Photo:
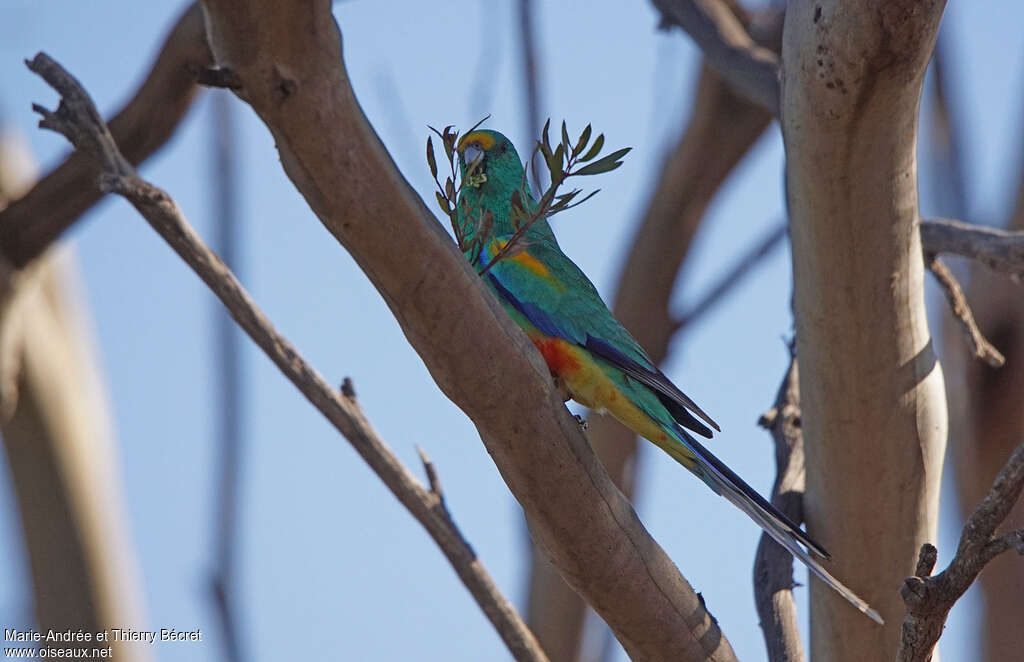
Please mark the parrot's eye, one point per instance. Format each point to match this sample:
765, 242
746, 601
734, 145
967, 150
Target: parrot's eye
472, 153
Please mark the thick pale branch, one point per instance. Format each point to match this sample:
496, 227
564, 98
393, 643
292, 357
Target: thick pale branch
58, 445
76, 121
33, 222
872, 393
773, 565
289, 62
929, 599
1000, 250
750, 68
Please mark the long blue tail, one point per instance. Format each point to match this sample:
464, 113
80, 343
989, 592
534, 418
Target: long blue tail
726, 483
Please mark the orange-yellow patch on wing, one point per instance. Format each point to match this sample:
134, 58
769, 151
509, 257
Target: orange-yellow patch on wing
523, 258
485, 140
531, 263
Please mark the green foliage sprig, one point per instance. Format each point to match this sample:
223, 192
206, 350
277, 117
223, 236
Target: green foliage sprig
562, 161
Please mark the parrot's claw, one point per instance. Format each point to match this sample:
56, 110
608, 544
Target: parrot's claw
582, 422
563, 391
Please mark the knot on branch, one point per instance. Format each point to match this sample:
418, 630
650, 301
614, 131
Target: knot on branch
215, 77
914, 592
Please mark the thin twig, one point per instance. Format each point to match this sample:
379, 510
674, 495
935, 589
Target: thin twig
773, 565
344, 413
980, 346
432, 478
29, 225
1000, 250
751, 69
929, 599
734, 276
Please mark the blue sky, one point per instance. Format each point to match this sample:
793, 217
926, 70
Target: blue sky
331, 566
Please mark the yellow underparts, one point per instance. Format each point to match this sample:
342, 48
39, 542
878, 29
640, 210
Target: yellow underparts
589, 384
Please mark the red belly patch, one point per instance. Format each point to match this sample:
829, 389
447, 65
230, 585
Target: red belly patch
560, 356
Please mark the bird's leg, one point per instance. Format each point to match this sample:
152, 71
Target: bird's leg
562, 389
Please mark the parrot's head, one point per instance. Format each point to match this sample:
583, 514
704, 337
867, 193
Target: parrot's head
492, 175
488, 161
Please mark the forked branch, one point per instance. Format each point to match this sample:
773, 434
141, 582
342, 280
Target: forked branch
929, 598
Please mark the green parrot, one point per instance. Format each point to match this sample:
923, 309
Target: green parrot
592, 357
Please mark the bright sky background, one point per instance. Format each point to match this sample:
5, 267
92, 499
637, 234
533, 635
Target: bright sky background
332, 567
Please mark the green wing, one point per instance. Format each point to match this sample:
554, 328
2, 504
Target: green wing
547, 288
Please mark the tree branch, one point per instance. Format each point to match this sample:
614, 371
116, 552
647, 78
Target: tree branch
78, 120
980, 347
32, 223
872, 395
56, 432
750, 68
773, 565
1000, 250
289, 62
929, 599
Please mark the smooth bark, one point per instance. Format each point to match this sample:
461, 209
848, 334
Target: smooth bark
871, 387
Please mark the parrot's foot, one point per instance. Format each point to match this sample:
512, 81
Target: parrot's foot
562, 389
582, 422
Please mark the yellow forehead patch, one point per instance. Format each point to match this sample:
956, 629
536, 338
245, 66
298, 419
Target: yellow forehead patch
485, 139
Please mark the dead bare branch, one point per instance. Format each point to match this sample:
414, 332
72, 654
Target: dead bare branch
1001, 251
33, 222
76, 120
980, 347
773, 565
929, 598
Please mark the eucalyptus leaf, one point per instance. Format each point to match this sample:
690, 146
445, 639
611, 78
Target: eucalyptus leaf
605, 164
582, 142
430, 158
594, 149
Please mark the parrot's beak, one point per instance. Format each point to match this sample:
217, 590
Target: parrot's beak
472, 154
